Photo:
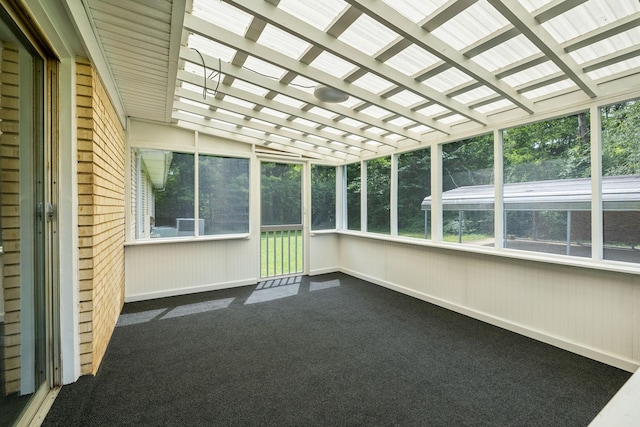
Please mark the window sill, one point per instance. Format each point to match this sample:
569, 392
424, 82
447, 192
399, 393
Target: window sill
187, 239
565, 260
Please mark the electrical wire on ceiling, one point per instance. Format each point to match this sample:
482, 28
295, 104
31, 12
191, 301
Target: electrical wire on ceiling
333, 95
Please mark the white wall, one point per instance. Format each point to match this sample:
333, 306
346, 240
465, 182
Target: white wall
588, 311
173, 268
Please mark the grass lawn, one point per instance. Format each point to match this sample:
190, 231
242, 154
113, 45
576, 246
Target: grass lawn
272, 249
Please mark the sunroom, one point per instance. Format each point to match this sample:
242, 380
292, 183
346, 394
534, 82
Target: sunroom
204, 145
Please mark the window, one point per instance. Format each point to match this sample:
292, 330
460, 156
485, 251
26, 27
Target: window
353, 196
467, 166
165, 194
379, 195
223, 194
172, 207
323, 197
414, 184
547, 190
621, 181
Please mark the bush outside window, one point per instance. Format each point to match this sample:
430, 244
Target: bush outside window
323, 197
379, 195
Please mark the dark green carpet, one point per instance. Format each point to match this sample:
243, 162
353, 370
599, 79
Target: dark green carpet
327, 350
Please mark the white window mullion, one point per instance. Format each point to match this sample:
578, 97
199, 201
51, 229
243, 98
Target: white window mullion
597, 238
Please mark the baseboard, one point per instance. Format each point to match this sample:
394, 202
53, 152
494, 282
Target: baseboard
190, 290
577, 348
323, 271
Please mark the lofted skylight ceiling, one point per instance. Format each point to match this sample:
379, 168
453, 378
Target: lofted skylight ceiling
414, 69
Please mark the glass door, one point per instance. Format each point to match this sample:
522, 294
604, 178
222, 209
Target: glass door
281, 232
25, 224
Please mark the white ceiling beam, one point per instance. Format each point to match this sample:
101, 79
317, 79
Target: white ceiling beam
444, 13
232, 40
228, 129
612, 58
289, 130
275, 86
555, 8
310, 34
395, 21
609, 30
515, 13
315, 37
261, 101
277, 148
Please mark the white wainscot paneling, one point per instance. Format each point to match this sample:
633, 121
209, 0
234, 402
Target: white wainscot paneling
588, 311
324, 255
159, 270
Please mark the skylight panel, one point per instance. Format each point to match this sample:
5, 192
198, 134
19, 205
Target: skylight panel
532, 5
420, 129
454, 118
287, 100
545, 91
415, 10
332, 65
239, 102
356, 138
401, 121
249, 87
211, 48
283, 42
230, 113
513, 50
367, 35
472, 24
305, 122
334, 131
373, 83
264, 68
412, 60
351, 122
494, 106
320, 14
608, 46
432, 110
474, 95
223, 15
530, 74
262, 122
304, 84
375, 111
275, 113
322, 112
376, 130
194, 103
406, 98
614, 69
447, 80
588, 17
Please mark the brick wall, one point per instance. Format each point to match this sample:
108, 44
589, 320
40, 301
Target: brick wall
101, 216
10, 215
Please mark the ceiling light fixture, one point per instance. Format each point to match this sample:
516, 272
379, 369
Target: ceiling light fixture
330, 94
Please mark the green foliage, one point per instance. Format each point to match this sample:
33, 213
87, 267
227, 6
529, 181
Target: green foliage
621, 139
414, 184
379, 195
177, 198
281, 187
552, 149
323, 197
353, 196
